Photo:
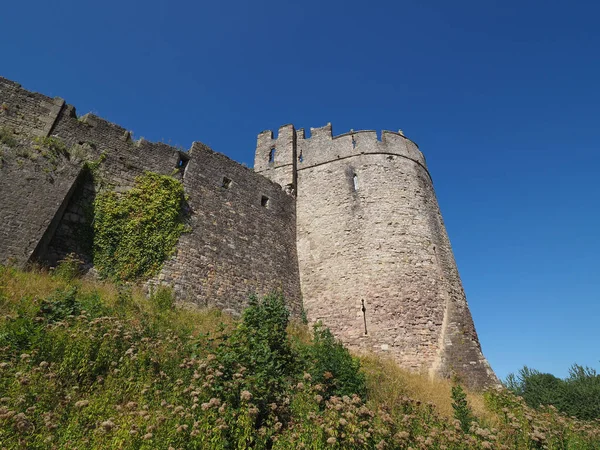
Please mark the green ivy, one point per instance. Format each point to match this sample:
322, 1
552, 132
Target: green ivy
135, 232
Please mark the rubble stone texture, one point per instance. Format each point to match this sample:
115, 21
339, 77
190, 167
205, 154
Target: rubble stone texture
370, 232
334, 223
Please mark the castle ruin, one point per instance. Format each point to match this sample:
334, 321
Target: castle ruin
347, 227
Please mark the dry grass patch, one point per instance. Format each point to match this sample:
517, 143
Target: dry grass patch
388, 384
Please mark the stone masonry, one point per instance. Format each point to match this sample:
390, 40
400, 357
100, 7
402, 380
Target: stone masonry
370, 235
348, 228
243, 225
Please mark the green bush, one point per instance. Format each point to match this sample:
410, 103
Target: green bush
61, 304
577, 395
163, 298
17, 333
582, 393
259, 349
68, 268
332, 365
135, 232
462, 412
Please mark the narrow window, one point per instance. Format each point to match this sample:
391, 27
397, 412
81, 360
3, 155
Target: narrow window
355, 180
364, 311
272, 156
182, 162
353, 142
264, 201
301, 158
226, 183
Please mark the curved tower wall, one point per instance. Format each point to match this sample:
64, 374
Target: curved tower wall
369, 229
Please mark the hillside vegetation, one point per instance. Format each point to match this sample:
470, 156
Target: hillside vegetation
94, 365
577, 395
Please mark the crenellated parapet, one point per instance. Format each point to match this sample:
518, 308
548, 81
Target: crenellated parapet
28, 112
279, 158
124, 158
276, 158
323, 147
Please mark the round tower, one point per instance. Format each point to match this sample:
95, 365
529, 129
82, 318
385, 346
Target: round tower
375, 261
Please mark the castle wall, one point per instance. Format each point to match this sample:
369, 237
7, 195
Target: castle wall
236, 245
94, 138
33, 192
122, 160
242, 239
27, 112
32, 200
369, 229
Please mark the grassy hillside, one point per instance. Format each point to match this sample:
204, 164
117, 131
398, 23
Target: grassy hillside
91, 365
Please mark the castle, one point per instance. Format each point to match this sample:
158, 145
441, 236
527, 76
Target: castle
347, 227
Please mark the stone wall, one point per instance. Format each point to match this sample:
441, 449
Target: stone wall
34, 192
242, 237
32, 200
27, 112
369, 230
122, 159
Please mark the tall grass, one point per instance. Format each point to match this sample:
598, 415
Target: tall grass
85, 364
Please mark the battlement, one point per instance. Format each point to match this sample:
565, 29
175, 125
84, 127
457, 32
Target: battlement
276, 158
115, 132
275, 152
23, 111
291, 151
322, 146
36, 114
124, 157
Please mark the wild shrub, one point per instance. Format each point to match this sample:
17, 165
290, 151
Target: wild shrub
163, 298
61, 304
17, 333
582, 393
68, 268
577, 395
331, 364
255, 361
462, 412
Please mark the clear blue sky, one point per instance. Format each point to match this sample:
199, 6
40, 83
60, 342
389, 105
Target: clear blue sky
502, 97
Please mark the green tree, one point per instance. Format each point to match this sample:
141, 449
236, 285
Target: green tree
577, 395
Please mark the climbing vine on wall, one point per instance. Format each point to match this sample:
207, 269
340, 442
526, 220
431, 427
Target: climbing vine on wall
135, 232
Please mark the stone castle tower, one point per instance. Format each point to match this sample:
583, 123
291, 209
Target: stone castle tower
346, 227
374, 258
